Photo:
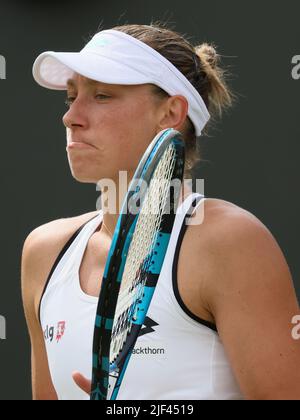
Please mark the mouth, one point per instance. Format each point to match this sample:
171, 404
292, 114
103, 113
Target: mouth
79, 145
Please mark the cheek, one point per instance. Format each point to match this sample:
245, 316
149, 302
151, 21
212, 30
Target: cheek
132, 143
138, 125
130, 119
128, 130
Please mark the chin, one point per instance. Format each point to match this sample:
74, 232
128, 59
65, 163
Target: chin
83, 176
84, 180
87, 175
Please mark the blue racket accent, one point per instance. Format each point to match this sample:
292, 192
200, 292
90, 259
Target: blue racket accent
112, 247
95, 361
120, 379
136, 278
125, 250
98, 321
105, 365
160, 249
108, 324
144, 305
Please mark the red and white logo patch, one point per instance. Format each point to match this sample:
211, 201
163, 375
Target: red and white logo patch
61, 327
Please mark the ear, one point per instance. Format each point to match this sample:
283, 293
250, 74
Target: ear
173, 113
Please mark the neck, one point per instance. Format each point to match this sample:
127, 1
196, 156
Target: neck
112, 200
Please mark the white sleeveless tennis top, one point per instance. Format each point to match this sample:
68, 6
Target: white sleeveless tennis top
177, 355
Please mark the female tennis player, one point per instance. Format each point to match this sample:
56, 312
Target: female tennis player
219, 325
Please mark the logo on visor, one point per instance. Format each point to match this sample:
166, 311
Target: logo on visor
98, 42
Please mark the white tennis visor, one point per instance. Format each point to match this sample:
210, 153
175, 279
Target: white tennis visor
114, 57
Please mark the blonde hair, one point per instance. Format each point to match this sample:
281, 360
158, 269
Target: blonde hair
199, 64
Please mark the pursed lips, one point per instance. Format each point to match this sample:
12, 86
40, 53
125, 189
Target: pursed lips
78, 143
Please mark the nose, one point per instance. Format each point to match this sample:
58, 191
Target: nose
75, 115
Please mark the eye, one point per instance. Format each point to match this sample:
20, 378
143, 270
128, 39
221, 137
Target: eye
69, 100
102, 96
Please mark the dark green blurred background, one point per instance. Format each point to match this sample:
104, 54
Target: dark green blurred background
251, 158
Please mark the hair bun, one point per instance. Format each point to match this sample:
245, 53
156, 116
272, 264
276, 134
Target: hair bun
207, 54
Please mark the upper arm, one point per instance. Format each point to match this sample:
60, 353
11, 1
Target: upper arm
253, 301
31, 276
40, 251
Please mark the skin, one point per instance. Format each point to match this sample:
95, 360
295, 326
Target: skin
92, 118
244, 285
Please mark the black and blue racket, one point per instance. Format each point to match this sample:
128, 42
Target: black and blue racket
135, 259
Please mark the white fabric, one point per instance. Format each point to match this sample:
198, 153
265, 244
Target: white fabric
118, 58
192, 366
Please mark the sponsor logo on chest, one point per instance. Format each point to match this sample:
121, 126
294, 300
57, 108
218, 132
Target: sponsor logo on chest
55, 333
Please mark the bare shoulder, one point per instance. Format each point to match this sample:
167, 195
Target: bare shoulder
248, 289
47, 239
58, 230
218, 220
227, 231
238, 252
40, 250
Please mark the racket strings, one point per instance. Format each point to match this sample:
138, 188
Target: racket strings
140, 252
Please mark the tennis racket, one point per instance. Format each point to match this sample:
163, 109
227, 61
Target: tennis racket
135, 259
